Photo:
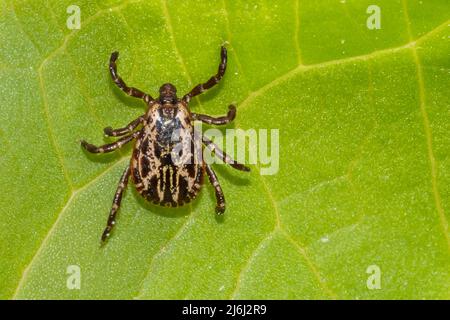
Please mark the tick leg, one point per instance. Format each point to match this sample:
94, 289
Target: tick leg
212, 81
222, 155
116, 203
220, 198
110, 146
219, 120
121, 84
121, 131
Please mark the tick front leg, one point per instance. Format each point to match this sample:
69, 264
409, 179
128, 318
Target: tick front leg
222, 155
110, 146
116, 203
212, 81
219, 120
220, 198
131, 91
121, 131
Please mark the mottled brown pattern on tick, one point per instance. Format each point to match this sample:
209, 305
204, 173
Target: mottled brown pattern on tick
159, 176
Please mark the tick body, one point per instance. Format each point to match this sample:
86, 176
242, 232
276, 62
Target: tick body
157, 175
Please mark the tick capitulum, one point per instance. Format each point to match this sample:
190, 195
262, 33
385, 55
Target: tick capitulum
153, 172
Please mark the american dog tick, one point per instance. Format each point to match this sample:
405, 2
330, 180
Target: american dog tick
167, 123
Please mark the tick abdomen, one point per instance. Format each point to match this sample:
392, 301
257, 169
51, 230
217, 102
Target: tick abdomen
164, 169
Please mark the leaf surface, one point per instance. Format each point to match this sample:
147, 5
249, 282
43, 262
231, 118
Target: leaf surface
363, 180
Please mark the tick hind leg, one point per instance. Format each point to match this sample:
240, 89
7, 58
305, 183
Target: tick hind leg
131, 91
220, 197
116, 203
200, 88
216, 120
110, 146
222, 155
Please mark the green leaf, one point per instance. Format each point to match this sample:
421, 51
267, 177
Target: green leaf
363, 117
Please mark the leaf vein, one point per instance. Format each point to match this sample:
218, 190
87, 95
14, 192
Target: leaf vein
304, 68
20, 24
52, 139
71, 198
250, 260
278, 226
428, 134
178, 55
162, 250
286, 77
303, 252
50, 132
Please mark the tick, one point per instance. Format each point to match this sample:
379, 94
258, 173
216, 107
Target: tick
168, 122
